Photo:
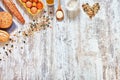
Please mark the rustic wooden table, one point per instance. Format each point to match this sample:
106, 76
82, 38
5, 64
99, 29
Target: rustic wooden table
75, 49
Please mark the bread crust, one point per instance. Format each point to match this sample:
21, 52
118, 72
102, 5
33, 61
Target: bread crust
5, 20
4, 36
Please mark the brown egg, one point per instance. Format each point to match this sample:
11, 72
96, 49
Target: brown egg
35, 1
31, 0
24, 1
33, 10
39, 5
28, 4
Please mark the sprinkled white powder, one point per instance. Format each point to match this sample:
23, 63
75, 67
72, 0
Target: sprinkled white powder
59, 14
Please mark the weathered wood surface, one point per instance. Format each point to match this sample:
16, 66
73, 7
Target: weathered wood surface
74, 49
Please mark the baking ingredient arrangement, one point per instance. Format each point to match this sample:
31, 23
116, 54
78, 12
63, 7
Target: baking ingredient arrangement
35, 7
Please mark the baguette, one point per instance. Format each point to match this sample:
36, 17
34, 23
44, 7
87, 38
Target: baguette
13, 9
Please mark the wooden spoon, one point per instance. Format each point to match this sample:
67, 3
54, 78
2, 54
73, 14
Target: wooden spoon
59, 12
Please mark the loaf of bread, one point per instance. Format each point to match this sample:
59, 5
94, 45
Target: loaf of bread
5, 20
4, 36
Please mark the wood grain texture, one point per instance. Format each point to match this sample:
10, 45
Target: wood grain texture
74, 49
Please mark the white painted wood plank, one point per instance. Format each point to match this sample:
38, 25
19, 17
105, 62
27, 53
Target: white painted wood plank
74, 49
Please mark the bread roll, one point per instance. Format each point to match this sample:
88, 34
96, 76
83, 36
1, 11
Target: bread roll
5, 20
4, 36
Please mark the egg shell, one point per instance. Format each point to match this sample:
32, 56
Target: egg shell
39, 5
31, 0
24, 1
35, 1
28, 4
34, 10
